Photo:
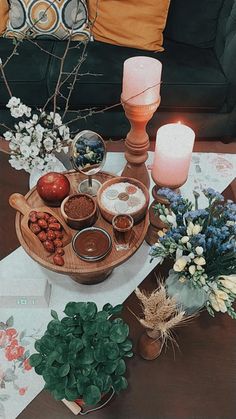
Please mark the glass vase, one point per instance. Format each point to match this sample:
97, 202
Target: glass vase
188, 298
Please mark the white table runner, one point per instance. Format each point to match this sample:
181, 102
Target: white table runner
19, 384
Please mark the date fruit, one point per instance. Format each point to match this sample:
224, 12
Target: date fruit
42, 236
33, 216
58, 243
54, 226
49, 246
58, 260
51, 235
42, 223
60, 251
34, 227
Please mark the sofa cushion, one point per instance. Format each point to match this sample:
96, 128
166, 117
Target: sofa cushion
47, 19
4, 10
193, 22
192, 77
128, 23
26, 72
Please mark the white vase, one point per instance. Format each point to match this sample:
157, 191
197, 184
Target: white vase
37, 173
188, 298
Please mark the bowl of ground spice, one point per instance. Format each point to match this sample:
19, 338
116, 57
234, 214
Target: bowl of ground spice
79, 210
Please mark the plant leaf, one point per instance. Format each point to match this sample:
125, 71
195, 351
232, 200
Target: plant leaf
54, 314
35, 360
71, 394
64, 370
10, 321
92, 395
120, 383
121, 367
119, 332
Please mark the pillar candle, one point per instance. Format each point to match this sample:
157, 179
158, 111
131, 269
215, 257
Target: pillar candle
141, 74
174, 145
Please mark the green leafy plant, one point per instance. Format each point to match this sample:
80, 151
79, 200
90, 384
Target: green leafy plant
82, 355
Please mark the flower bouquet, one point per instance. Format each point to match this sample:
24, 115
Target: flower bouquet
202, 245
35, 138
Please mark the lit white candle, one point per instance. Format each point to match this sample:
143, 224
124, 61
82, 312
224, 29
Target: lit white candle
174, 145
141, 74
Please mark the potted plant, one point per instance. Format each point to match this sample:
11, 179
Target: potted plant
82, 355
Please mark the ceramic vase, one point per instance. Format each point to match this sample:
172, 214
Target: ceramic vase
150, 345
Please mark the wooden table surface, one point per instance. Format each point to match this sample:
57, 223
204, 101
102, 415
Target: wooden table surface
196, 381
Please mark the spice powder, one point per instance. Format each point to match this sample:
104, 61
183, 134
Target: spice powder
79, 207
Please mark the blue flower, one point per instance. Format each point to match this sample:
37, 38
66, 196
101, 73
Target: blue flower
212, 194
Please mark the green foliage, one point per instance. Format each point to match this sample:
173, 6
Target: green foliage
82, 355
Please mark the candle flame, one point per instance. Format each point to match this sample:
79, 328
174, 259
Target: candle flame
179, 122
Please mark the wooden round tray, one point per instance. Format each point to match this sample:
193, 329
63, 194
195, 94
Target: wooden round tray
82, 271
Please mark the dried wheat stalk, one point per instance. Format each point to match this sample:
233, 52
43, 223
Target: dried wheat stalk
160, 312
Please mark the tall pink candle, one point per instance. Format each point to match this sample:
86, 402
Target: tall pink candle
174, 145
141, 74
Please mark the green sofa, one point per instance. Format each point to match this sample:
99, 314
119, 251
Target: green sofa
198, 79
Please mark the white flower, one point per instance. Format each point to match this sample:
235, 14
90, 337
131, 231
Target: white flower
14, 101
217, 300
172, 219
184, 239
38, 162
179, 253
199, 250
200, 261
193, 229
16, 112
162, 218
202, 280
229, 282
8, 135
26, 139
192, 269
48, 144
230, 223
180, 264
56, 118
34, 150
25, 150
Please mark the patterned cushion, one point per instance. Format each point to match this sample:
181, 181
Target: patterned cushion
48, 19
4, 8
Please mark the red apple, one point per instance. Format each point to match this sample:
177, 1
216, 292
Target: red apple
53, 188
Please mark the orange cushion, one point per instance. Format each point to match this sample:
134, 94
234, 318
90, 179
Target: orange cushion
130, 23
4, 9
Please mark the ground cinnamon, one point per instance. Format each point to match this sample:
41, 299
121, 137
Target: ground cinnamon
79, 207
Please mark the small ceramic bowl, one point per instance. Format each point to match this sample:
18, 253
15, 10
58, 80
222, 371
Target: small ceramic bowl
92, 244
74, 205
108, 214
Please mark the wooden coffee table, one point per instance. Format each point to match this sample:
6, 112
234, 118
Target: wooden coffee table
196, 382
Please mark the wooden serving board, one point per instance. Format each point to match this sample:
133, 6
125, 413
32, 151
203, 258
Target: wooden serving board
81, 271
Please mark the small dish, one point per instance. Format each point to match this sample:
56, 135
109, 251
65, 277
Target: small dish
122, 198
92, 244
79, 210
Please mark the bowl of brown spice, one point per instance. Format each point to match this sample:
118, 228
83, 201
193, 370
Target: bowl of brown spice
79, 210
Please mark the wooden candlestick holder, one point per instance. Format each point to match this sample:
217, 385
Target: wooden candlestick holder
155, 223
137, 140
